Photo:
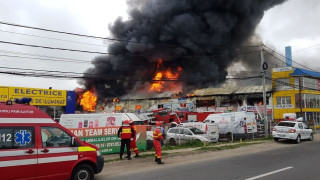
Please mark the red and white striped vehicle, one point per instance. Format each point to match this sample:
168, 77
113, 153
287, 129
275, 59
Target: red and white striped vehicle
34, 146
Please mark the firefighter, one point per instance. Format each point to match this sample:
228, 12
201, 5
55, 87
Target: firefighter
126, 134
157, 137
133, 145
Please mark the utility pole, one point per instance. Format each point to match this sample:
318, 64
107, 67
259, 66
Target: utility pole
264, 67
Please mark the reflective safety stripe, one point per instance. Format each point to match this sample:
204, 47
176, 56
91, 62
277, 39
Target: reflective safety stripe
86, 148
40, 161
26, 120
14, 153
18, 162
51, 151
57, 159
126, 130
58, 150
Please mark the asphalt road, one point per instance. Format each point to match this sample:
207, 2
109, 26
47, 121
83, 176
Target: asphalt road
295, 162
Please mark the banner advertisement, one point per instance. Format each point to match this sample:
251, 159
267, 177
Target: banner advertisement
106, 138
40, 97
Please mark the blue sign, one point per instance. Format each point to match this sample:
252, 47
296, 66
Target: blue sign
71, 102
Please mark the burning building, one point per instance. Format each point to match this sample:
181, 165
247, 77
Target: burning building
170, 47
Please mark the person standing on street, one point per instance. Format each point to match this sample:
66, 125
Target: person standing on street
133, 144
163, 132
126, 134
157, 137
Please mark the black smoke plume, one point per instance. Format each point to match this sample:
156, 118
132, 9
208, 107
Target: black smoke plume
199, 36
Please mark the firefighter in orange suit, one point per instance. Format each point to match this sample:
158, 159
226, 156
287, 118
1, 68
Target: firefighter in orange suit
133, 144
126, 134
157, 137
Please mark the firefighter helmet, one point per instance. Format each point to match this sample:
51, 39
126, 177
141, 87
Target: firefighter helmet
126, 122
130, 121
158, 123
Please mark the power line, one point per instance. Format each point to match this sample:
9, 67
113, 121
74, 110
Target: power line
44, 56
31, 35
289, 59
76, 34
77, 61
307, 48
111, 39
102, 53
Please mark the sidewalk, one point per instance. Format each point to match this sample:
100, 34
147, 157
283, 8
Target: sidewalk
111, 157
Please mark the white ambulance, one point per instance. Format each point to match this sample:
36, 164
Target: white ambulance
97, 120
234, 125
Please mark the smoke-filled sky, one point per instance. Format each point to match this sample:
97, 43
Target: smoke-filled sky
185, 35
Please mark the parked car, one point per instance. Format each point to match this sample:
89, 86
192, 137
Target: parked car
292, 130
184, 134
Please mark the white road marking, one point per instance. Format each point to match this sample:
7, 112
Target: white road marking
269, 173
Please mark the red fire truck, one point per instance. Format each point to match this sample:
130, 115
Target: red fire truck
34, 146
166, 116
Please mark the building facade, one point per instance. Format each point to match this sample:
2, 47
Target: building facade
51, 101
296, 91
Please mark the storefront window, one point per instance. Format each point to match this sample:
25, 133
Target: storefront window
283, 100
283, 84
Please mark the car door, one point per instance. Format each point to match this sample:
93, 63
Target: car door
179, 136
306, 131
188, 135
18, 153
56, 156
301, 131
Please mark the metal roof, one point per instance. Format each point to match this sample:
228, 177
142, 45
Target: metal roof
305, 72
232, 90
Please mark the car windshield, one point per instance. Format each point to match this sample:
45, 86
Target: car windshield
288, 124
196, 131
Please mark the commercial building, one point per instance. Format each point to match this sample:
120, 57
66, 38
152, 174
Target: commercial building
51, 101
296, 90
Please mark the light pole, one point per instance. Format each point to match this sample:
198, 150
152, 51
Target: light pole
264, 67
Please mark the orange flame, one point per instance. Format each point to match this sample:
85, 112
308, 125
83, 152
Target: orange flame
88, 101
115, 100
162, 77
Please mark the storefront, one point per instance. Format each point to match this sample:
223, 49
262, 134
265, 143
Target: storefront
296, 91
51, 101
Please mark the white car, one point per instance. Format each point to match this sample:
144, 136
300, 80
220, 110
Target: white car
184, 134
292, 130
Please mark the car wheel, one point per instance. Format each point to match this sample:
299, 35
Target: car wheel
229, 137
276, 139
298, 139
83, 172
311, 137
198, 140
172, 142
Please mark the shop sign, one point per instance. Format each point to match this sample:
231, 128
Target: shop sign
284, 106
39, 97
106, 138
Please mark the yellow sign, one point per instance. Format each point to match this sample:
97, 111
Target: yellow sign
40, 97
4, 91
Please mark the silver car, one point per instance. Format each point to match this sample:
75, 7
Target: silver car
180, 135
